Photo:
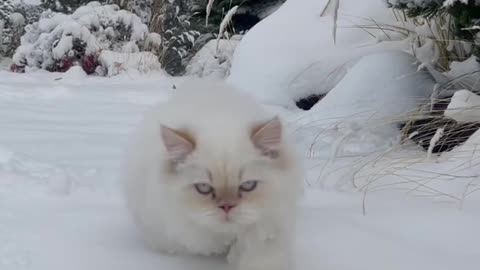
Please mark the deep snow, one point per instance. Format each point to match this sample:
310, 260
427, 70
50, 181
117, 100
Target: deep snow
61, 142
297, 57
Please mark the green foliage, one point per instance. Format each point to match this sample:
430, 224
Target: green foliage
10, 34
465, 18
6, 8
30, 12
67, 6
428, 10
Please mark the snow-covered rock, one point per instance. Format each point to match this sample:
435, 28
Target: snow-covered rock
291, 54
464, 74
464, 107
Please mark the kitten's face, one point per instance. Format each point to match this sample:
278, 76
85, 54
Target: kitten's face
228, 192
227, 195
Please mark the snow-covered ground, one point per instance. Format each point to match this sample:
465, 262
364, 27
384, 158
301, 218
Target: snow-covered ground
61, 141
370, 203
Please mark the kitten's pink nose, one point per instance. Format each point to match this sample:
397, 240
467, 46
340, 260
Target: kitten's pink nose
227, 207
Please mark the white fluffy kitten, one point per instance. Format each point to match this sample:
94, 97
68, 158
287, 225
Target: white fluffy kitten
210, 172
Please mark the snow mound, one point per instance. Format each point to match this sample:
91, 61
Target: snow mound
274, 55
213, 60
464, 107
115, 63
362, 114
75, 73
375, 93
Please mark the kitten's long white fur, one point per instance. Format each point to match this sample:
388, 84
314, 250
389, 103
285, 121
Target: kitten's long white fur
165, 206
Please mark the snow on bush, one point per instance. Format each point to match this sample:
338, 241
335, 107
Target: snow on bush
31, 11
6, 31
424, 4
143, 9
12, 33
450, 27
2, 25
15, 15
68, 6
58, 41
6, 8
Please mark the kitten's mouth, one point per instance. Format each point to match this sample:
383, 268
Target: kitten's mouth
227, 218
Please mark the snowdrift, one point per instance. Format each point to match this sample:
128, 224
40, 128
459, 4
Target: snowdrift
291, 54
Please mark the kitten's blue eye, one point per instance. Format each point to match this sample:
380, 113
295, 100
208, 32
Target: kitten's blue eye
203, 188
248, 186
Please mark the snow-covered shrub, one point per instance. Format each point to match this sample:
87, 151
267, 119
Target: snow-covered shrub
459, 20
13, 30
178, 38
445, 37
185, 28
66, 6
30, 12
143, 9
6, 9
2, 24
15, 15
58, 41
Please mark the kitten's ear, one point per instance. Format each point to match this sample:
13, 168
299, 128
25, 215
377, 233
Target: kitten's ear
267, 137
178, 144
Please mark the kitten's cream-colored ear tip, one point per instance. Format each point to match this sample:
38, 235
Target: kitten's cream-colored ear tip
179, 144
267, 137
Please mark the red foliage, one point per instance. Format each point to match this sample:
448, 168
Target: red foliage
64, 65
89, 63
17, 68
